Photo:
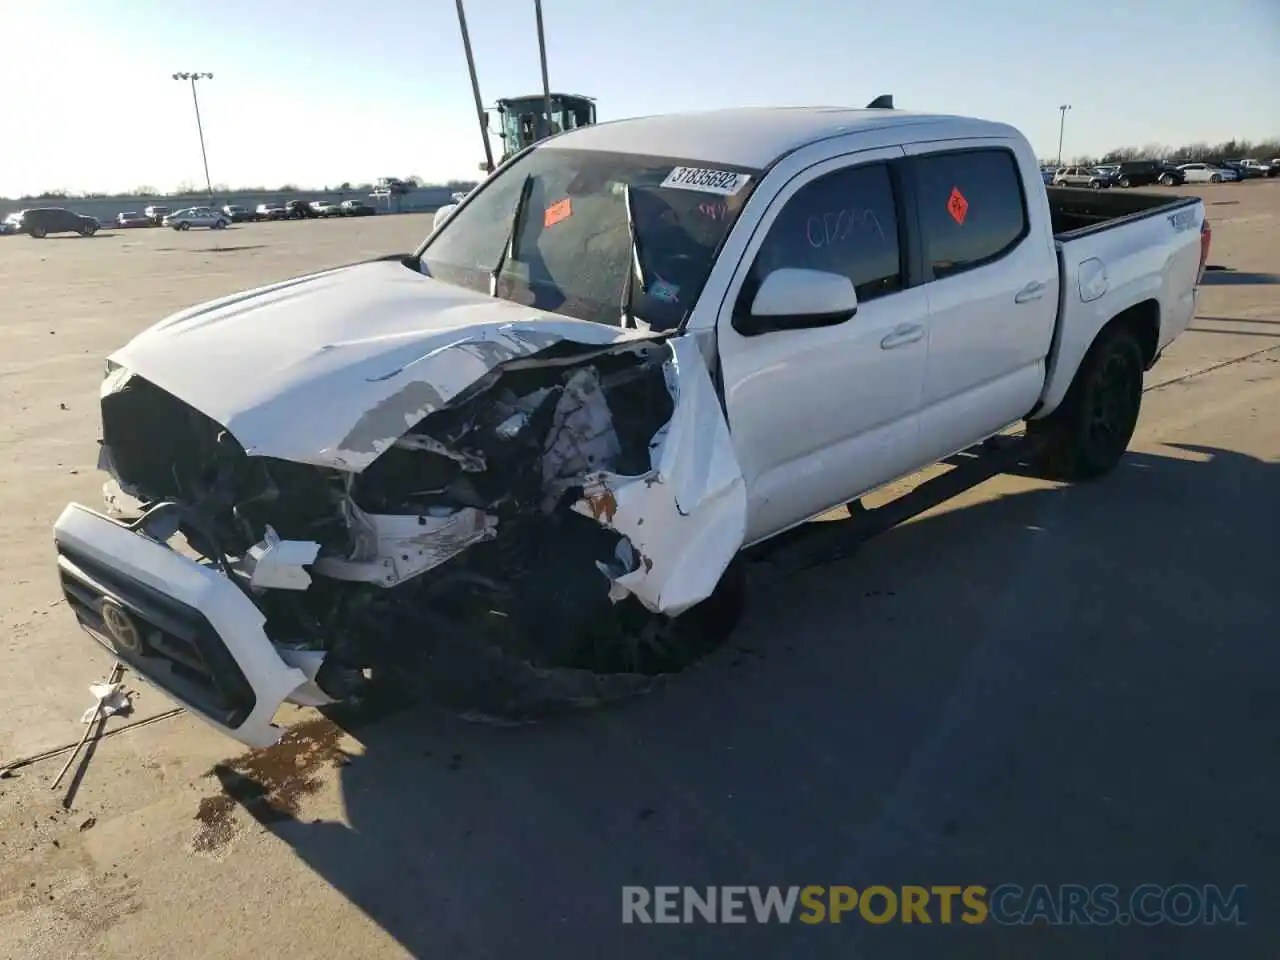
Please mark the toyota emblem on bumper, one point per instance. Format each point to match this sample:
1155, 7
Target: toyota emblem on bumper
121, 627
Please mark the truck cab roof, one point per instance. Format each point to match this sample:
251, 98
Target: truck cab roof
756, 137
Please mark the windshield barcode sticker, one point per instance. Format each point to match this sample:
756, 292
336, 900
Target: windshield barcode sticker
724, 182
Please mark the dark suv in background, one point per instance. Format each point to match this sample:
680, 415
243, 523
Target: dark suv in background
1138, 173
39, 222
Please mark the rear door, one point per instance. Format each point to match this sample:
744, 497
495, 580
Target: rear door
991, 275
822, 414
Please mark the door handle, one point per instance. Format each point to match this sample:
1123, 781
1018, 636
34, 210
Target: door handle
1032, 291
902, 335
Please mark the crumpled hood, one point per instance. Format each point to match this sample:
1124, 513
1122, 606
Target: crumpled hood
332, 368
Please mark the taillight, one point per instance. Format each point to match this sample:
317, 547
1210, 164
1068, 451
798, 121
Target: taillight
1206, 237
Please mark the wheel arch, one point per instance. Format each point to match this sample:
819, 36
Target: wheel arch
1142, 318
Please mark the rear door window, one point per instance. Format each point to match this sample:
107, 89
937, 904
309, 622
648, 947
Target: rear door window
972, 206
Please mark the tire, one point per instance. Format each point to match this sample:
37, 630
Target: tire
219, 224
1166, 180
1126, 182
184, 225
1096, 184
1089, 433
88, 230
1215, 179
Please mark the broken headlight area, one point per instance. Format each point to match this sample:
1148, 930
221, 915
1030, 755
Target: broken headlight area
455, 563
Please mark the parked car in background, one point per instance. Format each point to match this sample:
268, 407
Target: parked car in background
196, 217
270, 211
1090, 177
10, 225
131, 218
156, 214
1235, 167
1171, 176
356, 208
299, 210
236, 213
325, 208
1046, 176
39, 222
1137, 173
1261, 168
1110, 169
1207, 173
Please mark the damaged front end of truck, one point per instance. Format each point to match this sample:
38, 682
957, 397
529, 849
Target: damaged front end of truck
512, 522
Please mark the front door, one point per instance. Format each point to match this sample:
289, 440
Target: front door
821, 415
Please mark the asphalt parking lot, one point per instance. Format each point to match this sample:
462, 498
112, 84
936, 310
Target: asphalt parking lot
1031, 684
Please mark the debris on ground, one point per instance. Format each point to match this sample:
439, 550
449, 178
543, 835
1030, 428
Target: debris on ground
111, 700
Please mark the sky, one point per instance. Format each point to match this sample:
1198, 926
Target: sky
319, 92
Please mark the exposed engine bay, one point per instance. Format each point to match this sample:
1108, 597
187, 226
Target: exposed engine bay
481, 556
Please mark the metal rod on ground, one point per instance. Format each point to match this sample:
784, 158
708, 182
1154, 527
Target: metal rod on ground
542, 55
475, 89
116, 673
7, 768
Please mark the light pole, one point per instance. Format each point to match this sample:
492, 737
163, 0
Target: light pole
193, 77
1062, 126
542, 55
475, 89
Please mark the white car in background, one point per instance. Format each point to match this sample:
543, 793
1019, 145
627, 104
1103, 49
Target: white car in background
196, 217
1207, 173
326, 208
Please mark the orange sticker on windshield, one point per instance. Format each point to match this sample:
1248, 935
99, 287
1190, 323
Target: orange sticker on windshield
957, 205
557, 212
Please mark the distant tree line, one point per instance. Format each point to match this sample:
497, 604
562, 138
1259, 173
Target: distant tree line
188, 189
1198, 152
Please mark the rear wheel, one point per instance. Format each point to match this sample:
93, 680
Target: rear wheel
184, 225
88, 230
1096, 184
1089, 433
1215, 179
1126, 182
1166, 180
39, 232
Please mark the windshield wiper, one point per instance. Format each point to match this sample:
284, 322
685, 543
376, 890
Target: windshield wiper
509, 248
634, 266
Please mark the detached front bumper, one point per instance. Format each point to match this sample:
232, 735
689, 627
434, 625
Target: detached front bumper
183, 626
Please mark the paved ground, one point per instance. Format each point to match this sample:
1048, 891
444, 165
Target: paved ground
1032, 685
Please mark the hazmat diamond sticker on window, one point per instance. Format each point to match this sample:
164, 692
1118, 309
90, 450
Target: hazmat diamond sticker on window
957, 205
562, 210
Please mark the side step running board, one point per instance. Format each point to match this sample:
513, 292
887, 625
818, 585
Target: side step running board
814, 543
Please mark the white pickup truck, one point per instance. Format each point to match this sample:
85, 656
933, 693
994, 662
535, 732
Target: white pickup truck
523, 460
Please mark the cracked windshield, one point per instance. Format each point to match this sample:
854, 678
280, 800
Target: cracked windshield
556, 230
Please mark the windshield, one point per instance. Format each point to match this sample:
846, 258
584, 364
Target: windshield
573, 244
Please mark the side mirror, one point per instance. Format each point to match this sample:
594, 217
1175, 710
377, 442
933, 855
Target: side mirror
792, 298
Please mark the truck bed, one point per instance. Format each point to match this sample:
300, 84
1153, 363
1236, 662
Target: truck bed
1077, 211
